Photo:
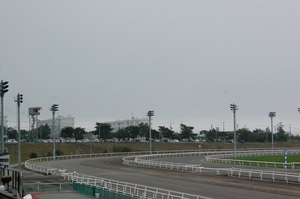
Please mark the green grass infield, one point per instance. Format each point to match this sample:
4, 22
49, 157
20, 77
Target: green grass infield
279, 159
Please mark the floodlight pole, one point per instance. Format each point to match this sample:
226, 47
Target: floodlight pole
234, 108
3, 90
271, 115
19, 100
53, 108
2, 126
150, 114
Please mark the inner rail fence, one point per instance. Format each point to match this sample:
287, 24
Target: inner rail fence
147, 159
135, 190
126, 188
227, 158
153, 161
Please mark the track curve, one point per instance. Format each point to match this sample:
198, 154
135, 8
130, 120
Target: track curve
202, 184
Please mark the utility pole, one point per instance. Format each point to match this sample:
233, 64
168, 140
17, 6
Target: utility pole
19, 100
53, 108
271, 115
150, 114
3, 90
234, 108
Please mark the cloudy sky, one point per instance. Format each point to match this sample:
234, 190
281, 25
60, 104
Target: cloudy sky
104, 60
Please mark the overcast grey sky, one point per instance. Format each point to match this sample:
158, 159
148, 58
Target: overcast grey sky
186, 60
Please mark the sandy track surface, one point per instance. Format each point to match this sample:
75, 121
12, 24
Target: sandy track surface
203, 184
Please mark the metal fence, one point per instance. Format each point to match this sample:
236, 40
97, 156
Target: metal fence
272, 175
14, 187
126, 188
134, 190
227, 158
92, 191
145, 159
48, 187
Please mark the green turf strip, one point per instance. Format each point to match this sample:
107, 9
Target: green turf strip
290, 158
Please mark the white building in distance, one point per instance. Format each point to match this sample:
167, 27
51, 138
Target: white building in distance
60, 123
121, 124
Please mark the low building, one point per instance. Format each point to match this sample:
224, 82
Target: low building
60, 123
121, 124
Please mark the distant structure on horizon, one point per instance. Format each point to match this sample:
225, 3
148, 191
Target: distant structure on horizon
121, 124
60, 123
33, 113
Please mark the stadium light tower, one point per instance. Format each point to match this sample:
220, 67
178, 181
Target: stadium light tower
150, 114
19, 100
234, 108
53, 108
271, 115
3, 90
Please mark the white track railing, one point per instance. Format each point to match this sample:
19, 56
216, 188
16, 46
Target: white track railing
127, 188
118, 186
32, 164
226, 158
146, 161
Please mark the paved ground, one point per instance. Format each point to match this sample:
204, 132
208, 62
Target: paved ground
60, 195
47, 188
202, 184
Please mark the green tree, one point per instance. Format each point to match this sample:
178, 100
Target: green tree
105, 130
209, 135
123, 134
12, 133
166, 132
186, 131
154, 134
67, 132
260, 135
44, 131
144, 129
268, 135
281, 135
133, 131
244, 135
78, 133
24, 134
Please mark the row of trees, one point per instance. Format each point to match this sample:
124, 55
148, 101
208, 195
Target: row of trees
105, 132
245, 135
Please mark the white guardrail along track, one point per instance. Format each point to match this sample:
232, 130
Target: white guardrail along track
220, 157
118, 186
145, 159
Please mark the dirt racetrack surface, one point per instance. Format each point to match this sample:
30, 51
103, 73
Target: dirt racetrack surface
203, 184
